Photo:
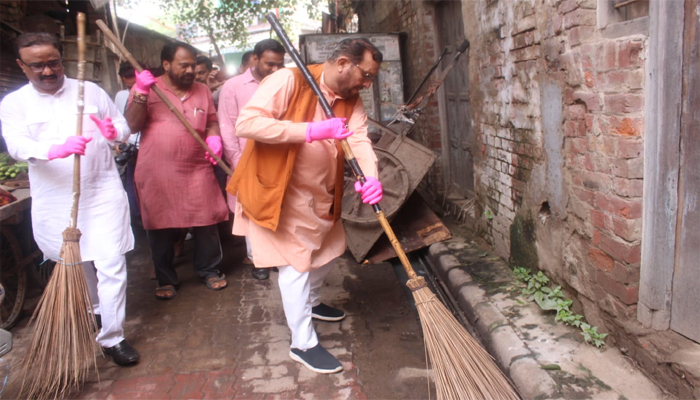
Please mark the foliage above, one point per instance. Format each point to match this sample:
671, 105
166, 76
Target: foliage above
228, 20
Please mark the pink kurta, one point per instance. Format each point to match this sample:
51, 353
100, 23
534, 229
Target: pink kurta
306, 237
175, 184
235, 94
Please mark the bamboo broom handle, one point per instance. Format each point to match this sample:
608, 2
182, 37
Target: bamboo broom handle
112, 38
79, 125
349, 156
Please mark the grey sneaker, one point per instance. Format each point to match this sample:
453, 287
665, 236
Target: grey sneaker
316, 359
327, 313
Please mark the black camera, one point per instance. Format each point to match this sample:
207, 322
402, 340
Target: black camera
126, 152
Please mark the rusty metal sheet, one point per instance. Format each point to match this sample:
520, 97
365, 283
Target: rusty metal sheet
416, 226
410, 158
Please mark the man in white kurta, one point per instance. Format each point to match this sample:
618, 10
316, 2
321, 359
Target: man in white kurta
39, 126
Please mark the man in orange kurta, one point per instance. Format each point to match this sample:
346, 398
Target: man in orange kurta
289, 182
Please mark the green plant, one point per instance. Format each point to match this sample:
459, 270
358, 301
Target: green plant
521, 274
591, 335
488, 215
537, 290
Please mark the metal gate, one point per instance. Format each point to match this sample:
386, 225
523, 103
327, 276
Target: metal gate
456, 99
685, 314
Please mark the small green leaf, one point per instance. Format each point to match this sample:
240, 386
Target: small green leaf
552, 367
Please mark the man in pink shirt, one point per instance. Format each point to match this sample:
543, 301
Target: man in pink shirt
268, 58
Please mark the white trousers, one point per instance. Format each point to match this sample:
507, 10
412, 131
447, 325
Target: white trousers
248, 250
300, 292
106, 280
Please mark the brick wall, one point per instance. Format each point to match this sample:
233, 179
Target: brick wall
557, 113
518, 50
417, 20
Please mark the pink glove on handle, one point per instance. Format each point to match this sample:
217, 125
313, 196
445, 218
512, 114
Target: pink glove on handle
372, 191
73, 145
106, 127
144, 81
333, 128
214, 143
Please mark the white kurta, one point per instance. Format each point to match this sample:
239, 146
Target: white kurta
31, 123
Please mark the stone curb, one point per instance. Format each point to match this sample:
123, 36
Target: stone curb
496, 334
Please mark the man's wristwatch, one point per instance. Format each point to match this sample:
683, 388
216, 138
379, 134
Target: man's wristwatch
139, 98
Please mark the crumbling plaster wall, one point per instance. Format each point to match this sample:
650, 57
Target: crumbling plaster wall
557, 109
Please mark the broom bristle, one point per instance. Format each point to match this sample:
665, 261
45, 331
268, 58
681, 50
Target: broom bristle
62, 347
462, 368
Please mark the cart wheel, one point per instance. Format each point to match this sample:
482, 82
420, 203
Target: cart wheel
13, 278
395, 183
41, 271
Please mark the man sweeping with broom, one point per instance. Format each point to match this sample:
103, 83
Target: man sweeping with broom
39, 126
289, 183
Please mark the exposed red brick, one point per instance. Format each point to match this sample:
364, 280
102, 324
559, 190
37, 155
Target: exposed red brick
584, 195
626, 294
596, 181
579, 17
632, 168
573, 128
630, 209
576, 111
600, 260
619, 250
588, 77
629, 148
577, 145
596, 237
628, 54
590, 99
623, 103
625, 126
626, 273
567, 6
627, 229
599, 220
580, 34
627, 187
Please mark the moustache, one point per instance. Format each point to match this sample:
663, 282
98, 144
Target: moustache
187, 76
44, 77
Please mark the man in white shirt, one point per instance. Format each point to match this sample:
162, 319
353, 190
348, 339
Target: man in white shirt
39, 126
128, 151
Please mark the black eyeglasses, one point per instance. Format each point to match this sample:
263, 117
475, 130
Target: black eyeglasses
38, 67
366, 75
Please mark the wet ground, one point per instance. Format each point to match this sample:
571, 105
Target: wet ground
234, 343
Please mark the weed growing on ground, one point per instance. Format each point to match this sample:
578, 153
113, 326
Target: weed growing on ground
536, 287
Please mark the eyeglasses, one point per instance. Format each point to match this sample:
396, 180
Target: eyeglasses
38, 67
366, 75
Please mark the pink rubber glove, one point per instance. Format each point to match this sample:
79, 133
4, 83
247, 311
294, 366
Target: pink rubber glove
73, 145
106, 127
144, 81
372, 191
333, 128
214, 143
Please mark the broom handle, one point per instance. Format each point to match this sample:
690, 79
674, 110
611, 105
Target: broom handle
79, 124
126, 54
349, 156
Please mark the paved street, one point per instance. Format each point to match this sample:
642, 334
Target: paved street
235, 343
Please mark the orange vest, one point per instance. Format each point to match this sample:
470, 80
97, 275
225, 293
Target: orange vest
264, 170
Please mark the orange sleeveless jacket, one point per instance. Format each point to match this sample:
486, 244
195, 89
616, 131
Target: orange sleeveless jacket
263, 172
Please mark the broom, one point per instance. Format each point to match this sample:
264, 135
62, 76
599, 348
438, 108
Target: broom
62, 347
462, 368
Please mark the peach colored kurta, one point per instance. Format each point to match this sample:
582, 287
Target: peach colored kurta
306, 237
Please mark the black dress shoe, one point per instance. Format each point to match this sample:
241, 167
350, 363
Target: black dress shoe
261, 273
122, 353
